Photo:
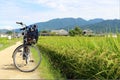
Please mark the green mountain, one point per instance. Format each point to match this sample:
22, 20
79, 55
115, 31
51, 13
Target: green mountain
65, 23
104, 26
3, 30
98, 25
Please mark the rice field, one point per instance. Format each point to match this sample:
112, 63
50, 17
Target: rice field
83, 57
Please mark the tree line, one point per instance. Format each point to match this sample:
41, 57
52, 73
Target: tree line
77, 31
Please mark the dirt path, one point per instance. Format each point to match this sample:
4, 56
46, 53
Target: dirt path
7, 69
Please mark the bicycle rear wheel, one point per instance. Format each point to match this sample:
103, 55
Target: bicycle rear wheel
31, 62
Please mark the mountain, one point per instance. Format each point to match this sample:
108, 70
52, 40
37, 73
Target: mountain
104, 26
60, 23
97, 20
3, 30
98, 25
65, 23
17, 30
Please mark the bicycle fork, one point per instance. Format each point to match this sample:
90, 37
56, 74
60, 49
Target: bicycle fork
26, 54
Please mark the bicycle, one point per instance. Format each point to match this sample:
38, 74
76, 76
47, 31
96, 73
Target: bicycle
27, 57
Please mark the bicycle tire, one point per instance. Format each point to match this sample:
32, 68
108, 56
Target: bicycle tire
34, 53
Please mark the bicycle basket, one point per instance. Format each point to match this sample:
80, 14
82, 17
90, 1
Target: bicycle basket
32, 35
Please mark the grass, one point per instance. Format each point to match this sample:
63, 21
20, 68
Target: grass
4, 42
46, 69
84, 57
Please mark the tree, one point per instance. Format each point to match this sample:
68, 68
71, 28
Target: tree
44, 31
72, 33
76, 31
9, 32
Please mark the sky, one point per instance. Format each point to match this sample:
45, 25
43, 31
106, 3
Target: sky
33, 11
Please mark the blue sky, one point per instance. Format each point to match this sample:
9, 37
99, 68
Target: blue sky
32, 11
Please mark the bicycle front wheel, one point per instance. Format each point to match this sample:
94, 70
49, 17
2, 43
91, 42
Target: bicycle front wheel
33, 58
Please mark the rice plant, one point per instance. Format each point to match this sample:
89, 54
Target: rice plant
84, 57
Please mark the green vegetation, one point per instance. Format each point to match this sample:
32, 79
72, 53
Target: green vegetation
46, 69
9, 32
75, 32
84, 57
4, 42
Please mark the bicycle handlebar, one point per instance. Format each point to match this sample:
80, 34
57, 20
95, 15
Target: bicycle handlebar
22, 25
19, 23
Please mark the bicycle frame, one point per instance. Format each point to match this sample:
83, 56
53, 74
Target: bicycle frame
24, 33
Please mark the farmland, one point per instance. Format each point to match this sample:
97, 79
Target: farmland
4, 42
83, 57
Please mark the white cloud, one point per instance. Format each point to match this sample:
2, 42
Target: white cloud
26, 11
77, 4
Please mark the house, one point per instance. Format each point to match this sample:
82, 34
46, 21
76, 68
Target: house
61, 32
3, 35
88, 32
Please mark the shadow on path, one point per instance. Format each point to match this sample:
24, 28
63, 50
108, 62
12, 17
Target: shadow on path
9, 67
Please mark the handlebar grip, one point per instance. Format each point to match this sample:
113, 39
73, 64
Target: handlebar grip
22, 29
19, 23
